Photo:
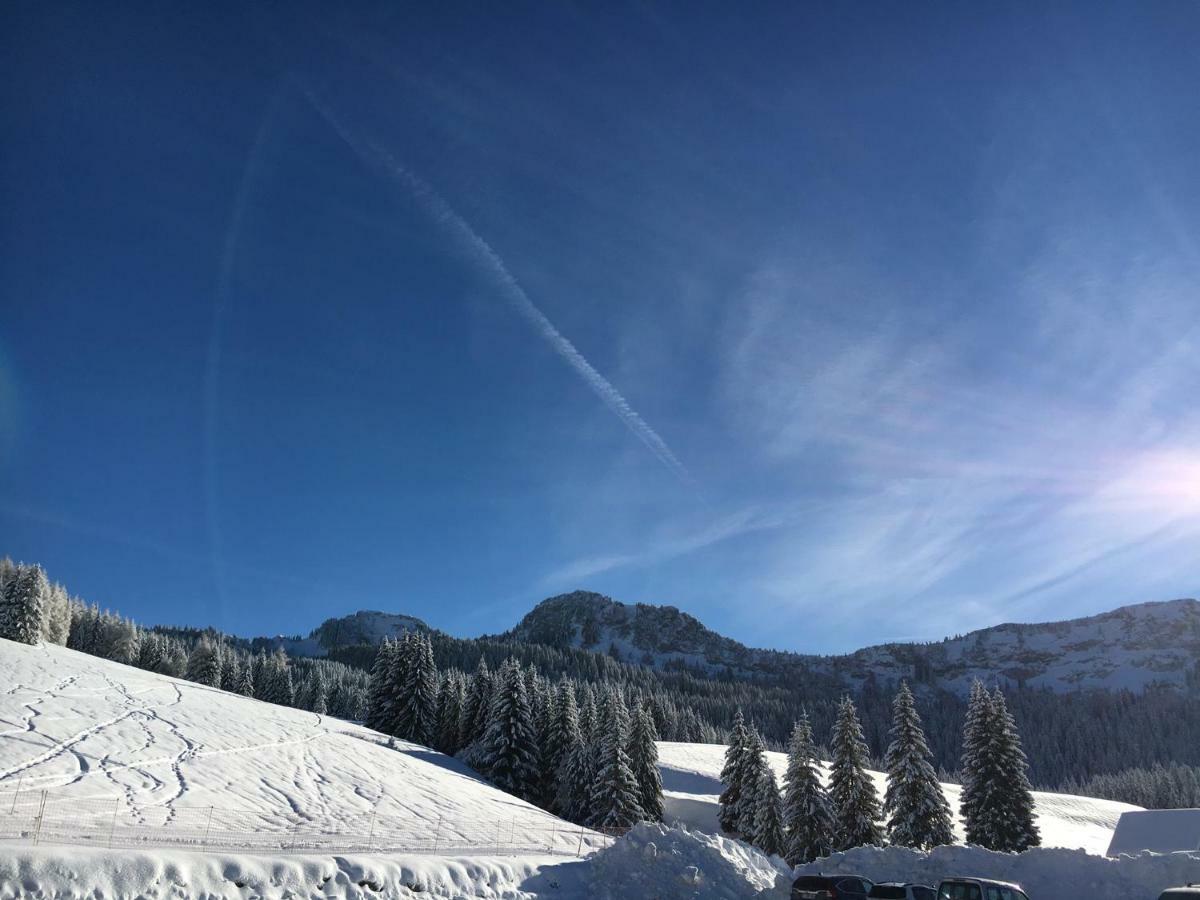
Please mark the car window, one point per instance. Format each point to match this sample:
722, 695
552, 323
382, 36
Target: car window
888, 892
961, 891
853, 885
920, 893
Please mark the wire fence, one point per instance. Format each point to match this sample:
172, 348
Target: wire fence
40, 817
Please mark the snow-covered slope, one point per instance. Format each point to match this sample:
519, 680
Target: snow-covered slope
1131, 647
153, 754
691, 776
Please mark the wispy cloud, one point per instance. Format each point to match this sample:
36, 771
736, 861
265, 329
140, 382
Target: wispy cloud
481, 253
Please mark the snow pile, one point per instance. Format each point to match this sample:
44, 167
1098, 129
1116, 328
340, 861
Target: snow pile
665, 863
39, 873
1042, 872
650, 862
691, 777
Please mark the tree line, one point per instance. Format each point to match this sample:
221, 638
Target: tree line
587, 755
808, 821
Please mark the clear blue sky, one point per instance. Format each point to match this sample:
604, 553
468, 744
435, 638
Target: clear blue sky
828, 323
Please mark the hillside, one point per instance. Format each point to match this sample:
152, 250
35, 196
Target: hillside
691, 775
1133, 647
148, 755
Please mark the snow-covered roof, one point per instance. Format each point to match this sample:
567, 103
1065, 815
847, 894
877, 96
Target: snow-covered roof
1160, 830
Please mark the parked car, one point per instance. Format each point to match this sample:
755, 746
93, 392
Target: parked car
1189, 891
831, 887
979, 889
898, 890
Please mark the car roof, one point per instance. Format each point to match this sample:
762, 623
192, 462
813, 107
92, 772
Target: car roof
971, 879
835, 875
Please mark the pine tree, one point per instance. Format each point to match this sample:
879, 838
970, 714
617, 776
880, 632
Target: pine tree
806, 813
918, 814
379, 697
754, 767
24, 611
245, 682
733, 776
768, 817
614, 802
203, 665
1012, 826
978, 774
643, 758
450, 703
507, 753
414, 690
565, 742
478, 705
851, 791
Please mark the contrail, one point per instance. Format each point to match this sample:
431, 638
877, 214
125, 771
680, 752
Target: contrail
483, 254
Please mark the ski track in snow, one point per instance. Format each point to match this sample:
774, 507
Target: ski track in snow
162, 751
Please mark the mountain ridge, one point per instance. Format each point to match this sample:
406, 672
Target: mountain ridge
1137, 647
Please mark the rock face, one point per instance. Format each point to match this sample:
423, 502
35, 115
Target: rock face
1134, 647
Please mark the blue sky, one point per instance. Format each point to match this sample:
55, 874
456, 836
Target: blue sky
830, 324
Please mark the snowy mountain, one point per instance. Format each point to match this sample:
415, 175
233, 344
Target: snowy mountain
363, 627
691, 777
1132, 647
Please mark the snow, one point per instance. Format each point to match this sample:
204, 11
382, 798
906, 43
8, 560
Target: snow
692, 783
1163, 830
137, 758
1043, 873
153, 757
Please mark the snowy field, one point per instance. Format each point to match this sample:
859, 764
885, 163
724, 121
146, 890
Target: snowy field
127, 756
691, 775
293, 805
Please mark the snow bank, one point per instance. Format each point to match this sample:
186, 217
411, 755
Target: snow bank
1042, 872
666, 863
650, 861
36, 873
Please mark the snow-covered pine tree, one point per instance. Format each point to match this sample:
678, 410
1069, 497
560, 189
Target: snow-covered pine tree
564, 743
614, 802
415, 691
851, 791
754, 764
478, 705
918, 814
806, 813
507, 753
979, 775
58, 616
24, 611
733, 775
450, 702
203, 665
379, 696
245, 681
643, 757
768, 816
277, 680
1013, 828
317, 692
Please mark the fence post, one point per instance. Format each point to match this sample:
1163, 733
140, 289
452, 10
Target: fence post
112, 826
579, 852
499, 830
371, 831
16, 795
437, 835
553, 838
207, 828
41, 815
